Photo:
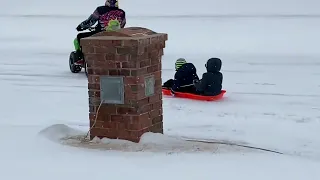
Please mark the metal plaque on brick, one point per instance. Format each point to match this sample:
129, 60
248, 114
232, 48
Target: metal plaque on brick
112, 89
149, 83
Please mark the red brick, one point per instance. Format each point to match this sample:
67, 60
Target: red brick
141, 102
144, 42
100, 71
157, 105
108, 109
109, 125
116, 118
97, 132
104, 117
139, 72
155, 60
121, 58
154, 53
121, 125
123, 50
154, 40
133, 80
141, 95
105, 50
90, 70
118, 65
157, 119
130, 43
87, 49
145, 63
94, 57
154, 113
141, 118
154, 98
143, 56
162, 44
124, 72
129, 64
130, 96
89, 42
117, 42
134, 88
94, 86
145, 108
157, 128
152, 69
111, 57
140, 56
93, 79
158, 82
104, 132
106, 64
157, 74
114, 72
127, 118
104, 43
126, 110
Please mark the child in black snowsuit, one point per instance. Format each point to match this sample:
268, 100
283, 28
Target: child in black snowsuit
185, 74
211, 82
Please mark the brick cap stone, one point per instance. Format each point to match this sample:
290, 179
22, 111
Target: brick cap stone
130, 33
122, 37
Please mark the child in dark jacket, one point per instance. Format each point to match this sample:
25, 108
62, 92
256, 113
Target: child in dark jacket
211, 82
185, 74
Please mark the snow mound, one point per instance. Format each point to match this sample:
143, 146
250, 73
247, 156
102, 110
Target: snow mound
59, 132
150, 142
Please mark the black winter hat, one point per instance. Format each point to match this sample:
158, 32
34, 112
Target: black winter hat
214, 65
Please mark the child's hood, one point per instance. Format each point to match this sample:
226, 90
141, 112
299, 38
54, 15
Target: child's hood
214, 65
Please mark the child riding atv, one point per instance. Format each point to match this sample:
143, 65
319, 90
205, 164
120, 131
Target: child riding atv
109, 17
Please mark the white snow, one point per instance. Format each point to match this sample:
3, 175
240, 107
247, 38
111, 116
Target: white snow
270, 53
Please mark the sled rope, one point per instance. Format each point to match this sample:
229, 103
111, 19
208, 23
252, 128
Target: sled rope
233, 144
87, 138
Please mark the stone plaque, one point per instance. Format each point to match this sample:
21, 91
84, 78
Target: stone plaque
112, 89
149, 83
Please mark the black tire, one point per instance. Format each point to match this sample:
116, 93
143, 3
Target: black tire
73, 68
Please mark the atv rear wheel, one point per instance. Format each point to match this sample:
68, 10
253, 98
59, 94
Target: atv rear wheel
74, 68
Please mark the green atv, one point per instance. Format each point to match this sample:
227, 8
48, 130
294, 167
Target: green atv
75, 63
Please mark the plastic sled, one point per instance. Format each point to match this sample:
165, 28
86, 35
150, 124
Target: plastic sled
167, 92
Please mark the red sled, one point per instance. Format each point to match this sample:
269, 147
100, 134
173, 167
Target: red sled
167, 92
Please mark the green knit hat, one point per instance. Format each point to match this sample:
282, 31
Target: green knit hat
180, 62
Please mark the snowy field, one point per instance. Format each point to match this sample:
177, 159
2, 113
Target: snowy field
271, 67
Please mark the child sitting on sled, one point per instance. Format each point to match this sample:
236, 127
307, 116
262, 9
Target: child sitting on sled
184, 77
211, 82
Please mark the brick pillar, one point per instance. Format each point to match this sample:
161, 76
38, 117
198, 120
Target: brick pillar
124, 82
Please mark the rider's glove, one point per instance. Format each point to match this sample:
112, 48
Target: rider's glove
79, 28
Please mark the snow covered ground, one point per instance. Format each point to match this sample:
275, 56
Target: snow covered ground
271, 73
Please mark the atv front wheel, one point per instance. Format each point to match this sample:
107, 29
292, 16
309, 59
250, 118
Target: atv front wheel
73, 68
